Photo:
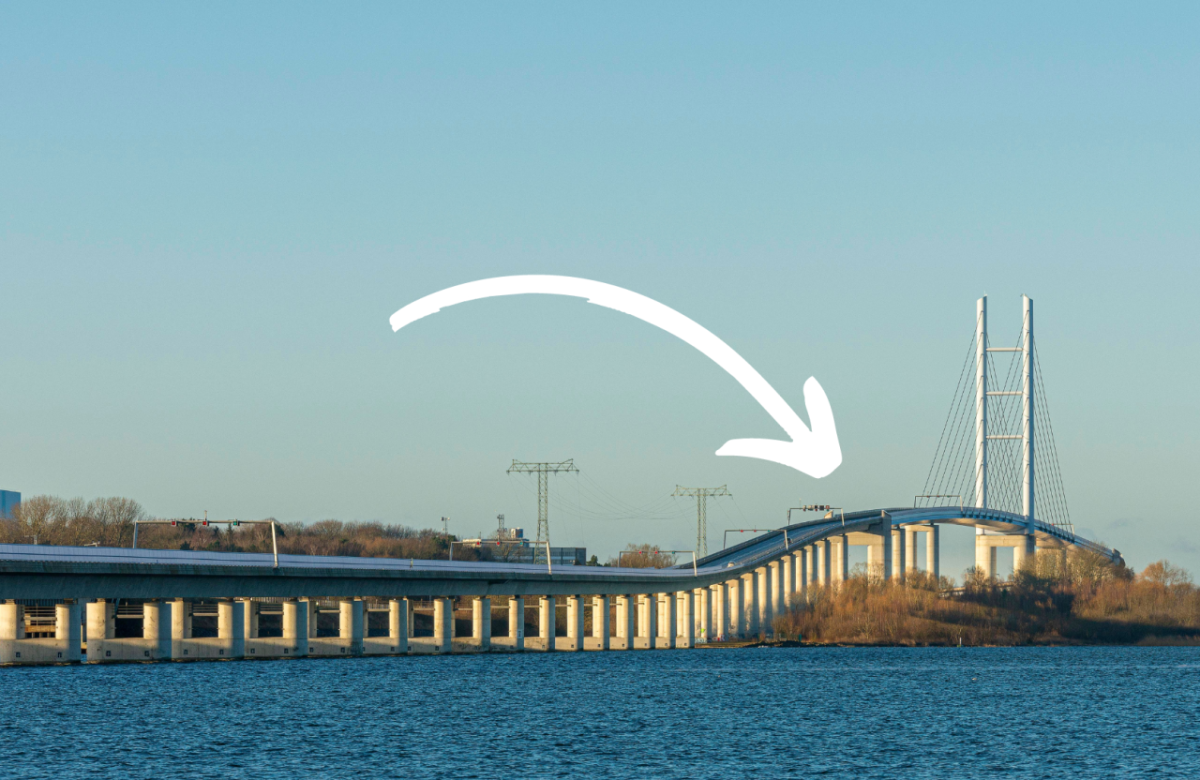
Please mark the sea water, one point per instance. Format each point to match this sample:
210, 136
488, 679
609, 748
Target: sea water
763, 713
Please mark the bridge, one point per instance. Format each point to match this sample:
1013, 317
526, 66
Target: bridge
733, 594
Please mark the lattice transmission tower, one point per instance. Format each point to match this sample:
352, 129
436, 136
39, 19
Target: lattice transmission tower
702, 495
543, 471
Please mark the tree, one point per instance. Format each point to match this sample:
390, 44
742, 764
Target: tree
643, 556
35, 517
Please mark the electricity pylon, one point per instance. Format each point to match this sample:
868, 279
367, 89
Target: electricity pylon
701, 495
542, 470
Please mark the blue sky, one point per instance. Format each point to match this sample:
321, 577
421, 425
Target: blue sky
207, 215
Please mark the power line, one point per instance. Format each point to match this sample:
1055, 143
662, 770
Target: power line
702, 495
543, 470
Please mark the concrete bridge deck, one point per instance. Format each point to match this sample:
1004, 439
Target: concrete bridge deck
732, 594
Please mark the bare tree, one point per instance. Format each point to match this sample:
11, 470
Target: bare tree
116, 517
35, 517
643, 556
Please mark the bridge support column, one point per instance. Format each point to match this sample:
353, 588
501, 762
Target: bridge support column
626, 624
67, 630
1023, 546
910, 549
648, 617
546, 620
801, 568
825, 561
1023, 553
295, 626
687, 619
985, 557
704, 597
600, 627
156, 628
765, 597
670, 627
12, 621
899, 549
443, 625
720, 616
310, 609
251, 607
100, 627
737, 619
350, 625
777, 588
574, 623
885, 533
933, 551
231, 626
788, 586
516, 622
841, 571
481, 622
12, 630
749, 593
398, 625
643, 620
181, 625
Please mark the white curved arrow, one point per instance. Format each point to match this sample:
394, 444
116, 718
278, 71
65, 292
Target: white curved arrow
814, 452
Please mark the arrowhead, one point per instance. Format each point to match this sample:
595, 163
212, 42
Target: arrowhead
816, 452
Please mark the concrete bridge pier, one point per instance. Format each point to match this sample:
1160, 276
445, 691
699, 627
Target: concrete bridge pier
443, 625
398, 625
481, 623
899, 553
231, 628
17, 648
181, 626
351, 625
647, 622
295, 627
516, 623
546, 623
669, 627
704, 622
310, 609
67, 631
252, 609
12, 631
933, 550
777, 589
1024, 547
101, 618
910, 548
749, 592
736, 621
801, 568
720, 612
766, 598
687, 619
156, 629
626, 624
575, 623
600, 626
787, 584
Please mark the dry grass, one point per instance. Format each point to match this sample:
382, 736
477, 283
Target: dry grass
1075, 598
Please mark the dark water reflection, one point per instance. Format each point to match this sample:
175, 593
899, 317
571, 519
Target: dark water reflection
863, 713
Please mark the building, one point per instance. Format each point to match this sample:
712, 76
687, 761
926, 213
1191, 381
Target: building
8, 502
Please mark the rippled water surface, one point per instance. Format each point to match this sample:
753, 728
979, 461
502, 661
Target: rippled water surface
887, 713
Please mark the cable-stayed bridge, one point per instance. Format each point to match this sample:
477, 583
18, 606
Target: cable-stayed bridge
992, 471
